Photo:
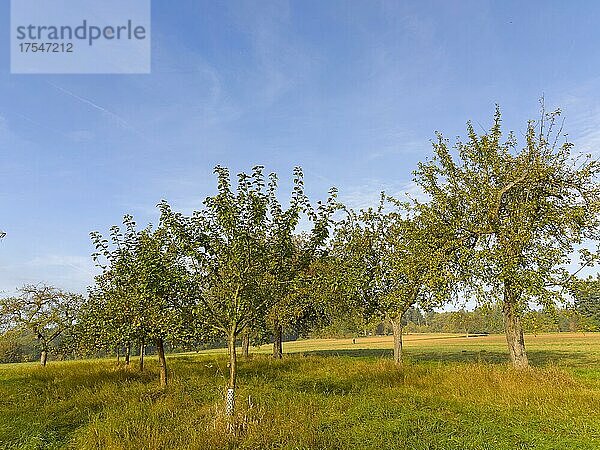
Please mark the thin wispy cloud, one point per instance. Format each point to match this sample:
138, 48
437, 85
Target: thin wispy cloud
120, 121
3, 126
82, 264
368, 194
585, 131
282, 62
67, 271
40, 125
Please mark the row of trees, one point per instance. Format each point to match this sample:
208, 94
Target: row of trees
22, 345
482, 320
231, 268
499, 224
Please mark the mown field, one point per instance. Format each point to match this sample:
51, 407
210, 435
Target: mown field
452, 393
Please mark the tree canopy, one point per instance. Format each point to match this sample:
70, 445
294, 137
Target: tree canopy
519, 211
141, 295
392, 259
237, 251
45, 311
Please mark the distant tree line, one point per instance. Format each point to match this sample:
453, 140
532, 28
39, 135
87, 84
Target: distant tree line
498, 224
479, 321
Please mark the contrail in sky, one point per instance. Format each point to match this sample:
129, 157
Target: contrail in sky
122, 122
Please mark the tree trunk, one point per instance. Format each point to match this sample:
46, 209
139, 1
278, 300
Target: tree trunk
230, 399
397, 329
246, 345
162, 362
118, 356
514, 330
142, 351
44, 358
232, 361
127, 354
277, 341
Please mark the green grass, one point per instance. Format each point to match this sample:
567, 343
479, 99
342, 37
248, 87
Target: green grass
453, 393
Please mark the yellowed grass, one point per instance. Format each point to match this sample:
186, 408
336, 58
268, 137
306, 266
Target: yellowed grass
564, 342
328, 394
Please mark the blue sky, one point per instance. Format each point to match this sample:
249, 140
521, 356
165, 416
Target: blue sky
352, 91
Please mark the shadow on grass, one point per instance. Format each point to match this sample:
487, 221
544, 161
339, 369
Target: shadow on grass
536, 357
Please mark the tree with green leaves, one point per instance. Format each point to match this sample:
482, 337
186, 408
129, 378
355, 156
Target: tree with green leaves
586, 295
17, 345
291, 257
540, 321
520, 211
227, 250
94, 331
45, 311
391, 260
461, 320
142, 290
110, 319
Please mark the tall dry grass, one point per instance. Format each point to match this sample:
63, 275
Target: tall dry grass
337, 402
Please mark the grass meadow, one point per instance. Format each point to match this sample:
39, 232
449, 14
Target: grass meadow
452, 393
